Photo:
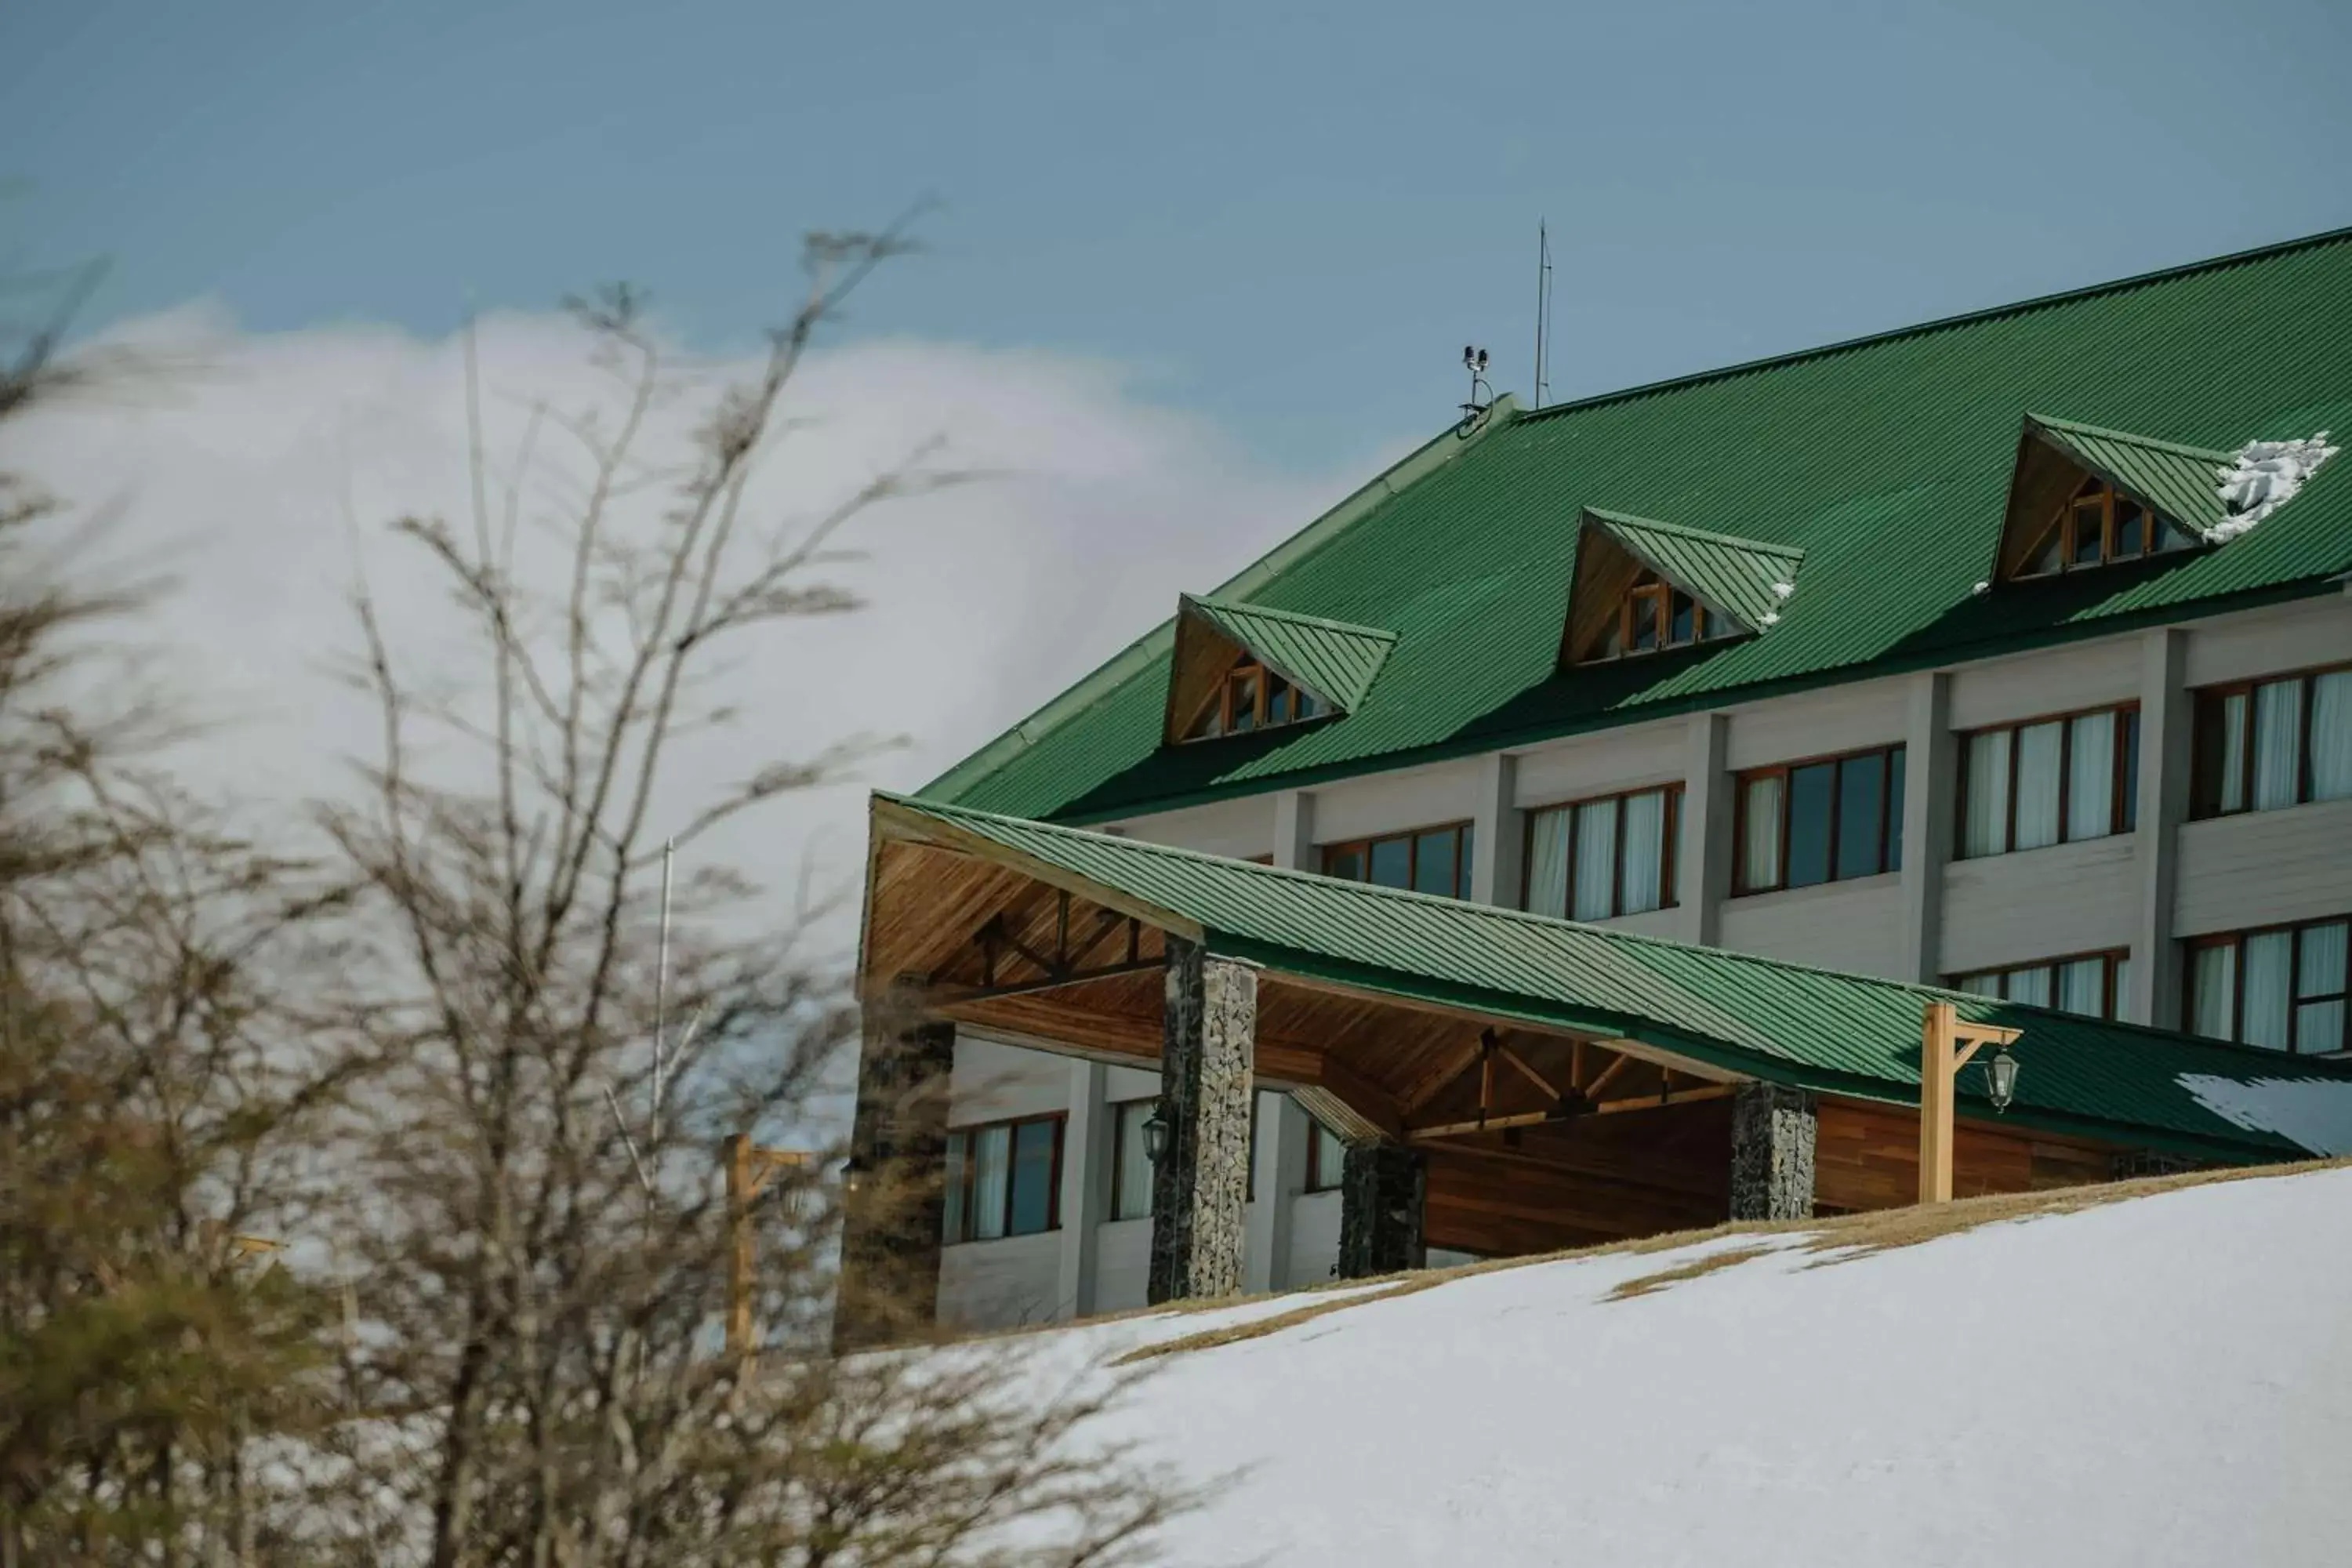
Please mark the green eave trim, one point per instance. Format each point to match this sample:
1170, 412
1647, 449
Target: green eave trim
1732, 1059
2178, 481
1333, 659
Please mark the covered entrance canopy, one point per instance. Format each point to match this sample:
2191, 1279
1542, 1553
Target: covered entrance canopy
1553, 1082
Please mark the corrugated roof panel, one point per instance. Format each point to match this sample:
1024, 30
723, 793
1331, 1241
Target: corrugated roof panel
1886, 461
1333, 659
2178, 481
1826, 1029
1743, 578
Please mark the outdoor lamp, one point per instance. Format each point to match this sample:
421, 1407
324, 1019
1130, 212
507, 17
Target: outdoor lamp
2000, 1078
1155, 1136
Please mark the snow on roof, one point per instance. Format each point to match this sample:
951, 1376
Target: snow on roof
2315, 1113
2157, 1380
2262, 477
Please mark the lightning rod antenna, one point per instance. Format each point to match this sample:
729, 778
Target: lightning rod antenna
1543, 312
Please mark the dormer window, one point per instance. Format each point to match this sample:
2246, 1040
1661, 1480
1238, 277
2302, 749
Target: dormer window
1657, 614
1238, 668
1641, 586
1252, 697
2097, 526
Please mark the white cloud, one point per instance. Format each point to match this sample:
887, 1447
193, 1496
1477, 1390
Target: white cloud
238, 476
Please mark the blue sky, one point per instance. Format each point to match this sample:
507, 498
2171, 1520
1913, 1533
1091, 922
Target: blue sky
1286, 218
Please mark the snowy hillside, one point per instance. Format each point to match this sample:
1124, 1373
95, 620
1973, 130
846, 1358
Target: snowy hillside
2162, 1380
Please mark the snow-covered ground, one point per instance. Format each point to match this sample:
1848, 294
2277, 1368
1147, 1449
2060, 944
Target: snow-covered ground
2164, 1380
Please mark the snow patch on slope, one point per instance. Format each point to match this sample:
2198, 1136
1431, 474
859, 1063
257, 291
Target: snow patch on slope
2152, 1381
2315, 1113
2262, 477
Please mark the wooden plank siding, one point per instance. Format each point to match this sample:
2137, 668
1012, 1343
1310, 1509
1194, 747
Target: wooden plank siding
1866, 1156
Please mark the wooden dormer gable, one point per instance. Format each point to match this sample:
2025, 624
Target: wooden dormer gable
2081, 496
1642, 585
1260, 667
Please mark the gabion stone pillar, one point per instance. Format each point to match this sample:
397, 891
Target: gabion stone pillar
1772, 1132
1199, 1190
1380, 1191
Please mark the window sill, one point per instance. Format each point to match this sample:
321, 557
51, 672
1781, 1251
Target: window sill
1780, 896
998, 1240
2124, 840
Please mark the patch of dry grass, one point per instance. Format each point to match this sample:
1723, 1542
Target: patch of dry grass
1695, 1269
1847, 1236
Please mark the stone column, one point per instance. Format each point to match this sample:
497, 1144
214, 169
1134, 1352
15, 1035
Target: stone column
1703, 856
1772, 1132
1381, 1187
892, 1213
1498, 833
1930, 765
1200, 1191
2163, 804
1085, 1138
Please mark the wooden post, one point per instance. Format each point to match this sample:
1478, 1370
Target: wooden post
1946, 1045
748, 1170
739, 1259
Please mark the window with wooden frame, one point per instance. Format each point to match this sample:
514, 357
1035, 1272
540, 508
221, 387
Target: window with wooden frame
1426, 860
2279, 987
1327, 1158
1655, 614
1827, 819
1252, 697
2049, 781
1003, 1178
2264, 744
2097, 526
1597, 859
2091, 983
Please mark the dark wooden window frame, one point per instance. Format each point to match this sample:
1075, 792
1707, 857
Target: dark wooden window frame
2206, 709
1319, 1180
1222, 700
961, 1229
2294, 997
1411, 836
2122, 808
1670, 872
2063, 523
1659, 595
1890, 815
2110, 1000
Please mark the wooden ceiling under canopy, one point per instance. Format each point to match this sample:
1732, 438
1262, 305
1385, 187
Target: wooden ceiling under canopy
1047, 959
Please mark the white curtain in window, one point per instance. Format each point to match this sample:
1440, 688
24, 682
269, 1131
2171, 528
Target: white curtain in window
1596, 861
1760, 828
1330, 1158
2319, 1024
1986, 984
2278, 744
2213, 989
1987, 829
2038, 748
2030, 985
2266, 982
2233, 752
1548, 863
2091, 777
2123, 987
1131, 1183
992, 1169
1645, 852
952, 1210
2331, 735
2082, 986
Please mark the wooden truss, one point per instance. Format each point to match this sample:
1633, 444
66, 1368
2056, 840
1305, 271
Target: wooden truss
1592, 1068
1011, 955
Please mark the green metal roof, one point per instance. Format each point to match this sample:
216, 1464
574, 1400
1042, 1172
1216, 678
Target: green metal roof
1886, 461
1743, 578
1835, 1033
1334, 660
2178, 481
